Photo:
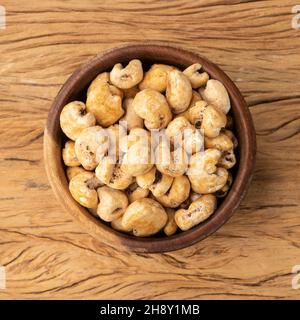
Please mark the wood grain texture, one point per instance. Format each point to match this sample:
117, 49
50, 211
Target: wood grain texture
46, 254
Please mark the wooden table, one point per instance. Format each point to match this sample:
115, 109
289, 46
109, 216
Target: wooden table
46, 254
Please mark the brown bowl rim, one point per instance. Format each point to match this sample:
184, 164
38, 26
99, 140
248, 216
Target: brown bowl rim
55, 170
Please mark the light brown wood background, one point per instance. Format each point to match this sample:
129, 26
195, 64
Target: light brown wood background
46, 254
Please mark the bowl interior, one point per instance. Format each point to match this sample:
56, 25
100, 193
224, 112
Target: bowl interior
75, 89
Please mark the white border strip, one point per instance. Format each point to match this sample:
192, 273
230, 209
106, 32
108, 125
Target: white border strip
2, 17
2, 278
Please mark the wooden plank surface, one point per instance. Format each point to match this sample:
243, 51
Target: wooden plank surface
46, 254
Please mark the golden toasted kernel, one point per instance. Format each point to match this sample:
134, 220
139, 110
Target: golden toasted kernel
115, 133
196, 78
179, 91
222, 142
195, 97
74, 118
177, 194
171, 226
195, 112
152, 106
112, 205
128, 77
138, 152
216, 94
105, 102
144, 217
223, 191
212, 122
204, 174
177, 127
132, 120
82, 188
156, 77
69, 155
227, 160
91, 146
102, 78
147, 179
172, 163
134, 192
117, 225
232, 137
182, 133
198, 211
73, 171
110, 173
161, 184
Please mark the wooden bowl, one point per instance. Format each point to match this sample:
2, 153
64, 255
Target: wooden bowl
75, 89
